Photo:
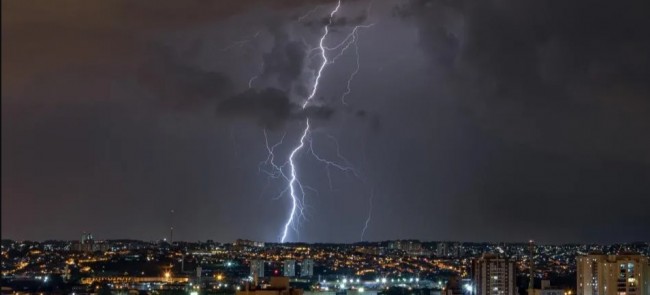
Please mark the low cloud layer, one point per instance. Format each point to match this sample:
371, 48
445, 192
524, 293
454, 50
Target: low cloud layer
270, 107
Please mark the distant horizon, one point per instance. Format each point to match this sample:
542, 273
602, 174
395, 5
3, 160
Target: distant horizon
336, 243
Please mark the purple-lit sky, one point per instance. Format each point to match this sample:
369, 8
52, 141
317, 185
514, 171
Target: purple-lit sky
496, 120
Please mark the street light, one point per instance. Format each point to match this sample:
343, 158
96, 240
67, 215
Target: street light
167, 276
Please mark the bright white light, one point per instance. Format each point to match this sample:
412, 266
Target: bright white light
194, 293
325, 61
342, 286
468, 287
292, 181
361, 290
383, 280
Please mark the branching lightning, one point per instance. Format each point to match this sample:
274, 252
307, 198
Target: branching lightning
288, 170
323, 55
294, 180
328, 163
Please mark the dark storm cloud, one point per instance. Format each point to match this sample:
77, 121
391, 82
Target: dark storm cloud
502, 108
285, 62
270, 107
559, 92
80, 138
336, 22
107, 39
178, 85
569, 76
347, 21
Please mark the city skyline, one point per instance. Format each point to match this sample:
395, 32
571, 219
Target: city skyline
326, 121
391, 267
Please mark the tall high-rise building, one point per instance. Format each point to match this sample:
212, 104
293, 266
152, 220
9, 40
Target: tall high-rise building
257, 268
87, 238
307, 268
87, 243
289, 268
441, 250
624, 274
493, 275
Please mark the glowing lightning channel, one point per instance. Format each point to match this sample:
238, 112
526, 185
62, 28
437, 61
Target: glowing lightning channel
354, 73
323, 55
292, 181
353, 36
329, 163
295, 188
365, 227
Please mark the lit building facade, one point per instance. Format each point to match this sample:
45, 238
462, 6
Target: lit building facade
307, 268
289, 269
625, 274
493, 275
257, 268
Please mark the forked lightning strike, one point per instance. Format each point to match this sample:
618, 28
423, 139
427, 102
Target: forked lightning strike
323, 55
295, 188
294, 178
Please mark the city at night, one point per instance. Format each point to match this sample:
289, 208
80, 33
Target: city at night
325, 147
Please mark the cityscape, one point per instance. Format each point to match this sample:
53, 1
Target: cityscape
390, 267
325, 147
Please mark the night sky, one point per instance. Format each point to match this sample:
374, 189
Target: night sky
490, 120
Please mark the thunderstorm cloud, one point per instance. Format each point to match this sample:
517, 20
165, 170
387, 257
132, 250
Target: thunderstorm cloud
470, 120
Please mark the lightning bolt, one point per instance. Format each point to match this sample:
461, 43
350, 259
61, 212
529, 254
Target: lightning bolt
295, 189
328, 163
354, 73
365, 227
293, 181
323, 55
